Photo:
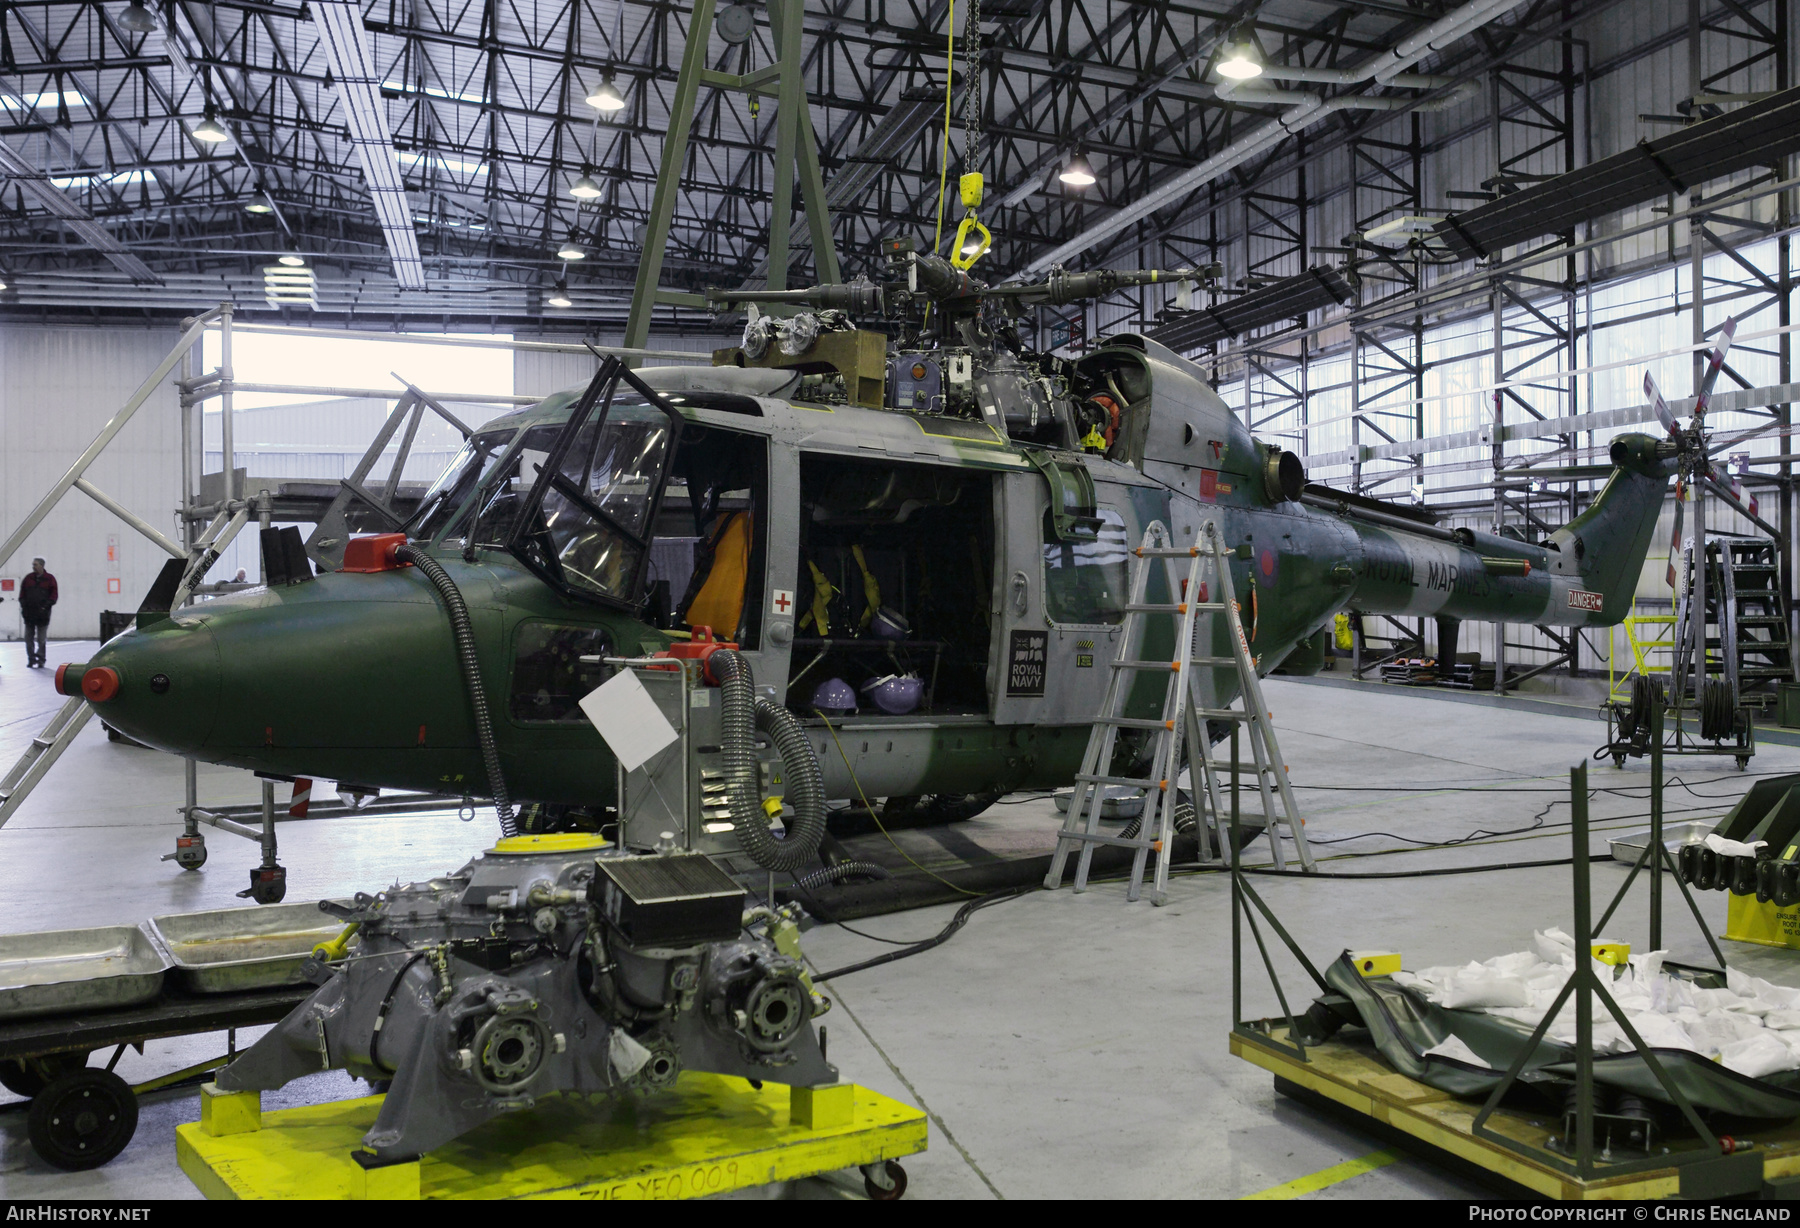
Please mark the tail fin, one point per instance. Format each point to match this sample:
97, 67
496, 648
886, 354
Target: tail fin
1612, 537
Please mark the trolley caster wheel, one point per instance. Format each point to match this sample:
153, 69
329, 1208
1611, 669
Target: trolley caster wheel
28, 1076
1619, 761
82, 1119
268, 884
884, 1181
1743, 762
190, 852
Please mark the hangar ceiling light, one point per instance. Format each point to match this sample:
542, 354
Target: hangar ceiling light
1078, 174
1238, 58
137, 18
346, 45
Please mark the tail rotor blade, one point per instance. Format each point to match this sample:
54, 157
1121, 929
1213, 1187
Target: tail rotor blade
1675, 542
1715, 362
1661, 406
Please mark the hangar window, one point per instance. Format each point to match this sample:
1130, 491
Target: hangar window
1085, 581
549, 677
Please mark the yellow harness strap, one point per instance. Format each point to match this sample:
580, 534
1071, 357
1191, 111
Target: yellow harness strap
820, 614
871, 589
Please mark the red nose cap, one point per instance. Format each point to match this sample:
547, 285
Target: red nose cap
100, 684
373, 553
68, 678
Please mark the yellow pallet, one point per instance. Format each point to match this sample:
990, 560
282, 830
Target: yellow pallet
708, 1135
1359, 1080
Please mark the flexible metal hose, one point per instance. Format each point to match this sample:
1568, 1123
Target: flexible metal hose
458, 610
742, 716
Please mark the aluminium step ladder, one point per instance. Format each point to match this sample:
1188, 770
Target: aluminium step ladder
1179, 736
44, 751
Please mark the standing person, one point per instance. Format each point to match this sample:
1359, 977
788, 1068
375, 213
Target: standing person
37, 593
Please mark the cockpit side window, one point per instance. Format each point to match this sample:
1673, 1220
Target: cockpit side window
451, 491
549, 676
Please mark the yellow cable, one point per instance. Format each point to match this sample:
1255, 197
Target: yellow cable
937, 236
872, 813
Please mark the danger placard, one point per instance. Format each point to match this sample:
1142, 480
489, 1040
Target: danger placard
1581, 599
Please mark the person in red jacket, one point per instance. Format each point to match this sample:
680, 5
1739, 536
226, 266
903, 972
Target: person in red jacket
37, 593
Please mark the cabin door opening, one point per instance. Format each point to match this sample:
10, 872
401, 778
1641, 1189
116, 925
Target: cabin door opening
894, 588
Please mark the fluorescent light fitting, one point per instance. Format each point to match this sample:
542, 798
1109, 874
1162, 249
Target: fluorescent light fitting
1238, 58
137, 18
606, 97
433, 91
48, 98
559, 294
571, 250
411, 157
585, 188
1078, 174
82, 181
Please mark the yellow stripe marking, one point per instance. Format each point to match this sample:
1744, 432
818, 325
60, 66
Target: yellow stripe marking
1315, 1182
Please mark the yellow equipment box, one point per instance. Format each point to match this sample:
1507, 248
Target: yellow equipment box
708, 1135
1376, 963
1748, 919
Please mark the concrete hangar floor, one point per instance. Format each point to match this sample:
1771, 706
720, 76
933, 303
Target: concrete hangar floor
1064, 1046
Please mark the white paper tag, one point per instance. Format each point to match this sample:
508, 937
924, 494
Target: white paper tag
628, 719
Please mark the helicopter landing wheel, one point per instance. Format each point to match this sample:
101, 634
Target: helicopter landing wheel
82, 1119
884, 1181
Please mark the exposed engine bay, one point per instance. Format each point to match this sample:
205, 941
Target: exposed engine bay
548, 965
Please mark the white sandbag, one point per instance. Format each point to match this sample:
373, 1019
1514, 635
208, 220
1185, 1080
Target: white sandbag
1553, 946
1758, 1055
1476, 986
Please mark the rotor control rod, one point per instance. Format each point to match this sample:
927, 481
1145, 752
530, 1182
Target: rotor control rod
857, 297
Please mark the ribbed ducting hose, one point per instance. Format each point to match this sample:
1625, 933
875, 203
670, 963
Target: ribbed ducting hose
458, 611
831, 876
742, 716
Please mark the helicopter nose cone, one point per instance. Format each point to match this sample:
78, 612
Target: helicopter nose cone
158, 686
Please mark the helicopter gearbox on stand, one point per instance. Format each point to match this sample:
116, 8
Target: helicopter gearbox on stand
549, 964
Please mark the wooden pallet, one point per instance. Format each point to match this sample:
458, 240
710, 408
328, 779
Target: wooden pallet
1356, 1078
708, 1135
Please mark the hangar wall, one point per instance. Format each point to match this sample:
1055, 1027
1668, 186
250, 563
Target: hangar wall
58, 387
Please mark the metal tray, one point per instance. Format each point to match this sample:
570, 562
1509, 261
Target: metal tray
78, 970
1630, 846
231, 949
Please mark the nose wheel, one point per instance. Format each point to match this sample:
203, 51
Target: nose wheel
268, 884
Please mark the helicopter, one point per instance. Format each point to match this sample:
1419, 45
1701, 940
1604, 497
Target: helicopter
918, 540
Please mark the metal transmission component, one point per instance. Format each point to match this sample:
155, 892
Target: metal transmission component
796, 153
346, 46
550, 964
